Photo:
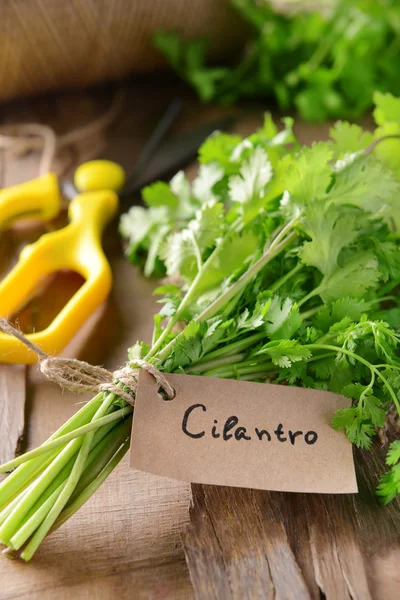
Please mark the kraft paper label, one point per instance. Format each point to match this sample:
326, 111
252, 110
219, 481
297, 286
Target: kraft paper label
243, 434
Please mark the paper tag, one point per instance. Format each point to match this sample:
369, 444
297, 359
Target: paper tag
243, 434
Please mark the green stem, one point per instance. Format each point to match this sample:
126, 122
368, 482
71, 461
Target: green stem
29, 527
217, 362
98, 458
284, 237
362, 360
25, 473
63, 439
101, 455
69, 487
282, 280
257, 375
187, 299
311, 312
11, 524
197, 252
234, 348
92, 488
237, 370
274, 249
321, 357
308, 297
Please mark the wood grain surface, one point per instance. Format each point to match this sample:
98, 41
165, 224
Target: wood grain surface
12, 410
252, 544
132, 537
126, 541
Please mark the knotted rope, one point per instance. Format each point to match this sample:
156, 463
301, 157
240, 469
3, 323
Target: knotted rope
78, 376
20, 138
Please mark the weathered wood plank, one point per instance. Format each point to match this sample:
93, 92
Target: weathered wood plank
203, 552
237, 547
12, 377
12, 410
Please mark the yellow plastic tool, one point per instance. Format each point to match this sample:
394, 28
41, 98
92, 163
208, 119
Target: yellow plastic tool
76, 247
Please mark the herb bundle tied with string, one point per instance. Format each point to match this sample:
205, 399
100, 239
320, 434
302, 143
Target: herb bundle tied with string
282, 266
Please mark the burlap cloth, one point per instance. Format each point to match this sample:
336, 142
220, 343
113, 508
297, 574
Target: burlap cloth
53, 44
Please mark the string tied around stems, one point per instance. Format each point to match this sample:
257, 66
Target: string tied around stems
78, 376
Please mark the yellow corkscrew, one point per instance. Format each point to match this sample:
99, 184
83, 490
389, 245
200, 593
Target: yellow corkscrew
76, 247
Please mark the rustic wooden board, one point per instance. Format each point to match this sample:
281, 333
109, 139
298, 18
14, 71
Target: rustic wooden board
127, 536
253, 544
125, 541
12, 410
12, 377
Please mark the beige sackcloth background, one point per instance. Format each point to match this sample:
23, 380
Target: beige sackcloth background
57, 44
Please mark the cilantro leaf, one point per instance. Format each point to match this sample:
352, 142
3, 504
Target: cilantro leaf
306, 175
208, 224
338, 310
159, 194
349, 138
358, 431
218, 148
179, 255
393, 455
324, 63
366, 184
207, 177
330, 230
285, 352
359, 273
248, 188
372, 410
283, 318
389, 485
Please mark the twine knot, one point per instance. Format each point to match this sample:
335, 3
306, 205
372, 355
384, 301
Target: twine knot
79, 376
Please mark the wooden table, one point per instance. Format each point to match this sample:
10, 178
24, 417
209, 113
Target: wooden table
132, 538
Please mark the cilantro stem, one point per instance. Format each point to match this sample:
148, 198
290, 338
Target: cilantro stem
197, 252
186, 300
311, 312
233, 348
63, 439
321, 356
70, 484
362, 360
271, 252
282, 239
257, 375
308, 297
275, 286
372, 146
217, 362
240, 369
91, 488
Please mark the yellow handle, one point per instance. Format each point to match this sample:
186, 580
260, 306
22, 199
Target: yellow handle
39, 198
76, 247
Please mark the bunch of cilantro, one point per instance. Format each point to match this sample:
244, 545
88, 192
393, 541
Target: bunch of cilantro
326, 62
282, 265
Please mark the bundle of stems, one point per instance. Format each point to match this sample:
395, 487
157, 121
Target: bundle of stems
282, 266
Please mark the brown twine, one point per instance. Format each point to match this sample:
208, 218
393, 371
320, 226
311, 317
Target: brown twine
21, 138
78, 376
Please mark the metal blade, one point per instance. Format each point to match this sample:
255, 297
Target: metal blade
172, 155
159, 133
